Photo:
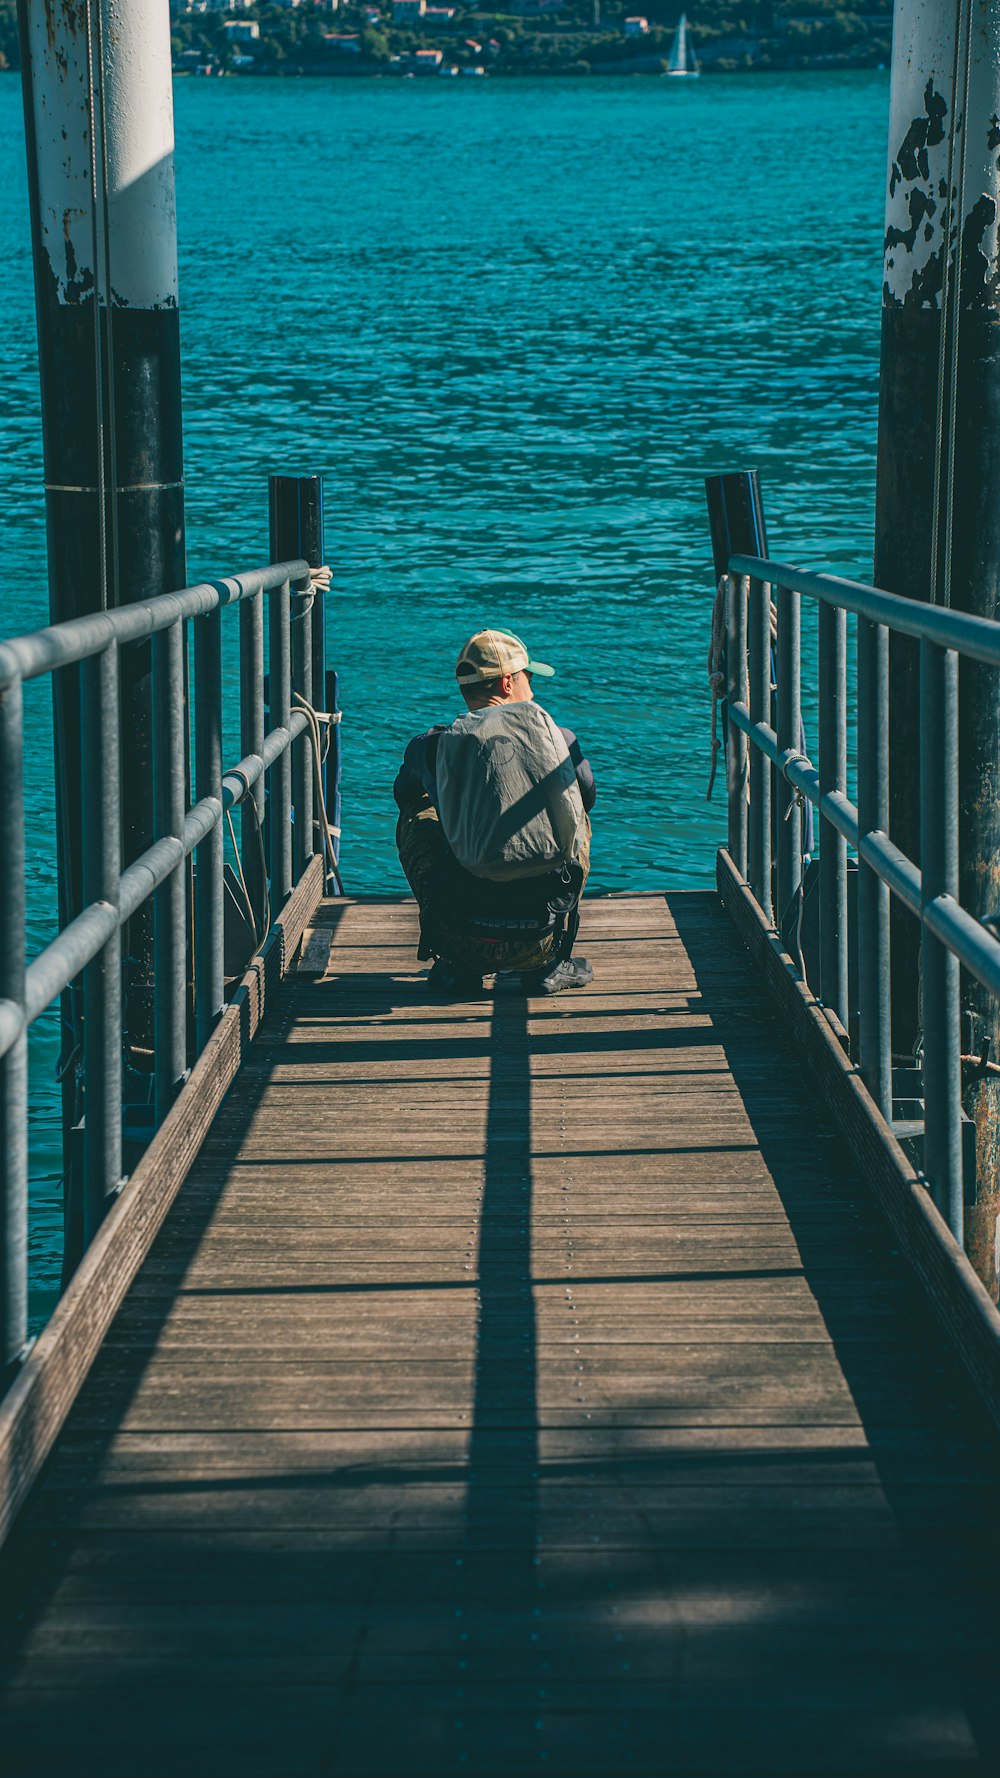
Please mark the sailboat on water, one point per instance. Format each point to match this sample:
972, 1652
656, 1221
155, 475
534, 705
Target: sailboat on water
682, 60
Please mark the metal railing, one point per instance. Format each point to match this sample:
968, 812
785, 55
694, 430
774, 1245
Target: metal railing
275, 746
761, 758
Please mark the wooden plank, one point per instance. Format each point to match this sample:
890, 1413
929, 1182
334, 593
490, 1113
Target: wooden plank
513, 1384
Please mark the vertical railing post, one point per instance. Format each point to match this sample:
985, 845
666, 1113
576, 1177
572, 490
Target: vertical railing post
170, 900
833, 776
14, 1061
295, 510
317, 647
789, 727
279, 681
760, 765
209, 984
875, 1008
302, 754
939, 968
102, 978
736, 750
252, 741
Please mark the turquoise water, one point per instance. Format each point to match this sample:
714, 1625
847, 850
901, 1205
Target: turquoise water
514, 324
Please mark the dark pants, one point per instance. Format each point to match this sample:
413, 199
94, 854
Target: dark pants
452, 904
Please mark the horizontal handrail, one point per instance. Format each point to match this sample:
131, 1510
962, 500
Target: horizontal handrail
239, 780
183, 964
978, 638
61, 960
11, 1024
80, 638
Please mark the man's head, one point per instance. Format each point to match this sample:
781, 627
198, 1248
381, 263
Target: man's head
494, 667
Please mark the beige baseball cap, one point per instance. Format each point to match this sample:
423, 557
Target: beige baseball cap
490, 654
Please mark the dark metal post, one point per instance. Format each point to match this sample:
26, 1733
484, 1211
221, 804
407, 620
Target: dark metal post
295, 508
736, 692
170, 902
939, 968
102, 978
789, 721
208, 887
760, 765
99, 128
279, 681
873, 895
252, 741
736, 523
333, 765
735, 517
317, 647
14, 1060
302, 751
833, 777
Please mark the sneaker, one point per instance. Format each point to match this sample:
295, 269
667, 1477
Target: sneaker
444, 978
571, 972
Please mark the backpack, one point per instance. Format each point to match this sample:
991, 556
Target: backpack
507, 794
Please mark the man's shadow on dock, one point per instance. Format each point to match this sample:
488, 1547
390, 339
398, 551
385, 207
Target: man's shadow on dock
489, 1545
502, 1497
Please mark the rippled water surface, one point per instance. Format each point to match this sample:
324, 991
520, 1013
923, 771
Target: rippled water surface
514, 324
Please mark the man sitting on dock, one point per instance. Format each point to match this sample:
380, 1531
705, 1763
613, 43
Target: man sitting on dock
493, 832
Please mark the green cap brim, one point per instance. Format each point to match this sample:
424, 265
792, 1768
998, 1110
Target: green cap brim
541, 668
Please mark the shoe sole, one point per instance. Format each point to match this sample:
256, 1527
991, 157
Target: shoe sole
560, 987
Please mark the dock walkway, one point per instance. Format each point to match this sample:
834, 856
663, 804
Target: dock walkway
515, 1386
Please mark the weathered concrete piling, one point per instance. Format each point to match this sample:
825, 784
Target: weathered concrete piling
99, 124
938, 490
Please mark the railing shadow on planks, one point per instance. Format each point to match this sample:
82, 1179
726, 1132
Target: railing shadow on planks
760, 878
277, 750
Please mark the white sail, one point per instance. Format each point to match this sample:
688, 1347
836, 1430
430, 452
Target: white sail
681, 60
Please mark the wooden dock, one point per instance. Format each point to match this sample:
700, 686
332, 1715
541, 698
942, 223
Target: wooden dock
515, 1386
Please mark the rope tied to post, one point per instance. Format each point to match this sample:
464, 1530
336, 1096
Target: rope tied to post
980, 1066
320, 581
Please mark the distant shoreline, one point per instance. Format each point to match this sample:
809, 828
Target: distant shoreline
520, 39
604, 73
505, 78
378, 73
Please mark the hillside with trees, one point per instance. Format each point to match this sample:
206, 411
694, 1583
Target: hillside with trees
566, 37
